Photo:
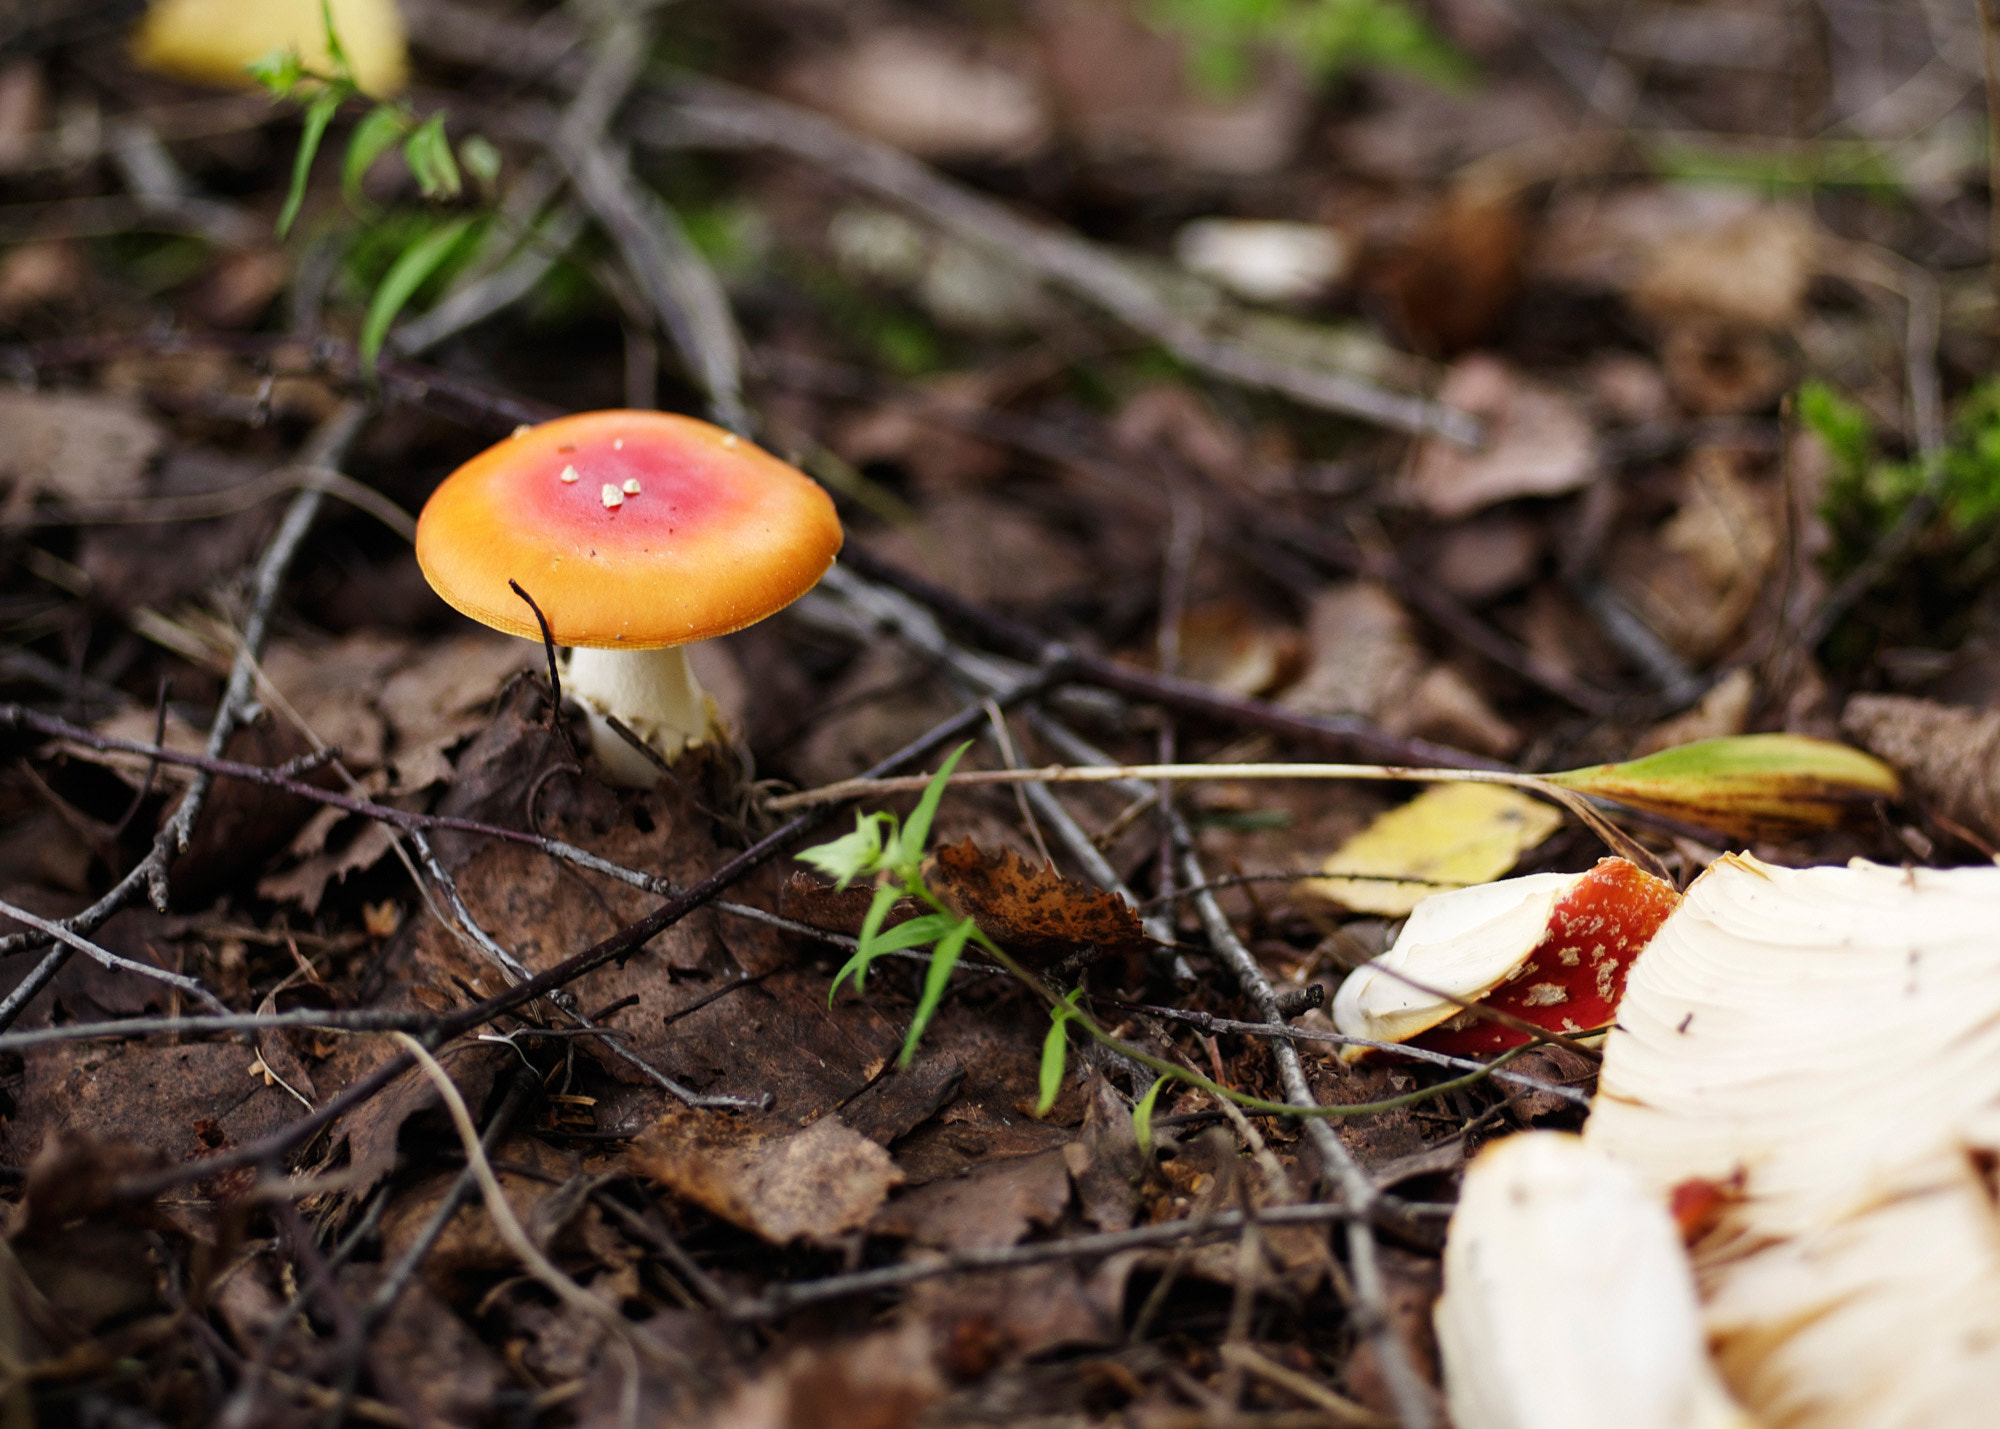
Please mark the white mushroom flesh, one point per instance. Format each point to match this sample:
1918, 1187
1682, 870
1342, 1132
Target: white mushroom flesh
653, 693
1568, 1302
1465, 942
1824, 1043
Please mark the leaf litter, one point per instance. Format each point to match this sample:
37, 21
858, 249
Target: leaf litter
1230, 505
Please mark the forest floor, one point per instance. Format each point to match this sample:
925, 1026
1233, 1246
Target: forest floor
1593, 380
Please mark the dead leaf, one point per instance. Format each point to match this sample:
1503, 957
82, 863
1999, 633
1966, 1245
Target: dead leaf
989, 1206
1719, 369
1723, 711
931, 93
1228, 648
1265, 260
1539, 443
1697, 579
883, 1381
1949, 754
1365, 661
1451, 835
1452, 281
1752, 271
817, 1183
74, 446
1033, 910
1123, 90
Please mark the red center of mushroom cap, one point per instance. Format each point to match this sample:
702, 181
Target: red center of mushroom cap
717, 535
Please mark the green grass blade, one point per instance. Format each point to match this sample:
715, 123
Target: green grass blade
864, 951
1142, 1117
373, 137
917, 832
943, 959
1055, 1055
405, 276
318, 115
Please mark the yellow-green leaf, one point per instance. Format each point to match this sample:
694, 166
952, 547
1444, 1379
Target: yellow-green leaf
1448, 836
1751, 786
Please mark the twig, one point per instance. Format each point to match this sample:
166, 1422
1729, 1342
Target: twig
1208, 1022
675, 278
150, 874
707, 112
75, 942
783, 1299
501, 1214
1186, 696
1413, 1398
620, 944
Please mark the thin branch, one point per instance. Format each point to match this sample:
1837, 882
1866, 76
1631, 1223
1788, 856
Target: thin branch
1208, 1022
149, 876
782, 1300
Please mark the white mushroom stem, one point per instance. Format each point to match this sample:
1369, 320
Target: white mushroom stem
653, 693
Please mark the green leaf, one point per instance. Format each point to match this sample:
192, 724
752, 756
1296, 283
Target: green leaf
1055, 1053
909, 850
864, 950
279, 72
405, 276
342, 66
318, 115
428, 153
1751, 786
373, 137
943, 959
1142, 1117
481, 159
851, 856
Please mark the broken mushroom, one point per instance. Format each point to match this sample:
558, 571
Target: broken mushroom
637, 534
1824, 1044
1568, 1302
1552, 949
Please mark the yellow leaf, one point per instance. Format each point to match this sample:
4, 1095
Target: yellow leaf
210, 41
1749, 786
1451, 835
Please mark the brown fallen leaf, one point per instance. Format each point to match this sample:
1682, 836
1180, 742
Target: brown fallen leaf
1034, 911
816, 1184
74, 446
989, 1206
1949, 754
1539, 443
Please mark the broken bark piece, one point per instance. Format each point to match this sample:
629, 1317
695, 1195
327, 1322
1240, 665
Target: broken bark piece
1551, 949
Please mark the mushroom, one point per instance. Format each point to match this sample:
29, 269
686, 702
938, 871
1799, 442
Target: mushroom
215, 41
1823, 1046
636, 534
1552, 949
1568, 1300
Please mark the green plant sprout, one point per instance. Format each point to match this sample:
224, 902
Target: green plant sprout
388, 124
892, 853
1327, 36
1867, 491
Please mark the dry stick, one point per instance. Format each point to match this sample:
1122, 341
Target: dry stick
675, 278
1063, 448
1209, 1022
703, 111
149, 876
1186, 696
781, 1300
76, 942
1358, 1192
420, 385
1574, 802
624, 942
617, 1329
